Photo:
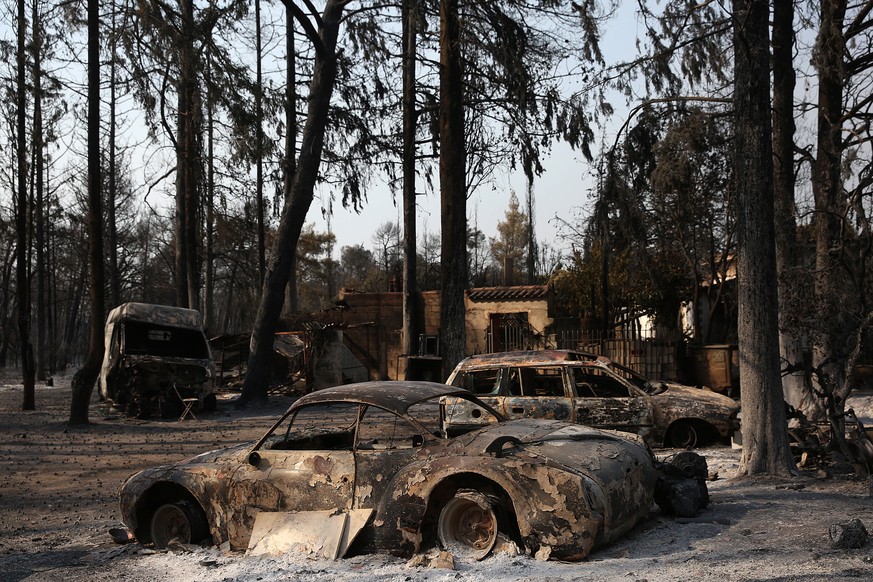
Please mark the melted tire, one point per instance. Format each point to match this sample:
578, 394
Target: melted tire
182, 521
468, 525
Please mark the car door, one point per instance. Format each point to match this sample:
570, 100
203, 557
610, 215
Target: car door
307, 466
603, 400
536, 392
386, 444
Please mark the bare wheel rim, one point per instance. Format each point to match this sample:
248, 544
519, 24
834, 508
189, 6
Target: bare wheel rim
468, 526
683, 436
170, 522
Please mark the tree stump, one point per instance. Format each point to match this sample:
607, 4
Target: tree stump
848, 536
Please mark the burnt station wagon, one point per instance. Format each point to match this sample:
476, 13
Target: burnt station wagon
592, 390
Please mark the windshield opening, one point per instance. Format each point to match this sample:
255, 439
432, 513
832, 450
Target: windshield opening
148, 339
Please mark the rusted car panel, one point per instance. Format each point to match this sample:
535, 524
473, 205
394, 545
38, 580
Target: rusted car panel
592, 390
558, 488
155, 355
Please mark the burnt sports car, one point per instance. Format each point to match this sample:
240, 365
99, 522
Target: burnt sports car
593, 390
370, 467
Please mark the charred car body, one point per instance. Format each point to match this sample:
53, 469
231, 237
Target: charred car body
379, 451
155, 356
592, 390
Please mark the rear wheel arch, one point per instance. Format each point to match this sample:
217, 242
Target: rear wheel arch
449, 487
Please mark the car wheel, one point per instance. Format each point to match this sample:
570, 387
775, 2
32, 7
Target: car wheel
181, 521
468, 525
683, 435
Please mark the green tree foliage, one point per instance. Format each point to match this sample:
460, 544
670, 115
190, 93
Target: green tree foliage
316, 282
662, 223
358, 269
510, 247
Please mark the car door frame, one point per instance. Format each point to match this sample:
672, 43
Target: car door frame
525, 405
634, 413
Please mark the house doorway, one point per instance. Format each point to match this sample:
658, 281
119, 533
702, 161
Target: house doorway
508, 332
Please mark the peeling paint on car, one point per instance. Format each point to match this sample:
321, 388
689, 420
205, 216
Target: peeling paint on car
591, 390
559, 488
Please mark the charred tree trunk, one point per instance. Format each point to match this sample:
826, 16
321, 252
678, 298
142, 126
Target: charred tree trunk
83, 380
52, 303
259, 145
209, 283
39, 194
765, 441
794, 387
411, 297
290, 168
21, 270
112, 195
453, 193
827, 189
294, 213
187, 160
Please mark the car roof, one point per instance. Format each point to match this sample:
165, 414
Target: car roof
156, 314
528, 357
397, 396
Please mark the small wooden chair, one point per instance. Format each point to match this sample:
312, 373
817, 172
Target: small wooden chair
188, 406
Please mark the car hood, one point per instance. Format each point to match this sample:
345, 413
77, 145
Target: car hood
235, 454
681, 394
215, 460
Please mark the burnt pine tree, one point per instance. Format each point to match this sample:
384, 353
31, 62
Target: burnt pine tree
39, 189
841, 181
21, 271
323, 36
796, 390
412, 323
765, 441
84, 378
289, 162
175, 38
453, 192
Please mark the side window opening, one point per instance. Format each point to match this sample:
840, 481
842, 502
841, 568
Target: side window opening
481, 382
594, 383
317, 427
379, 429
542, 382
